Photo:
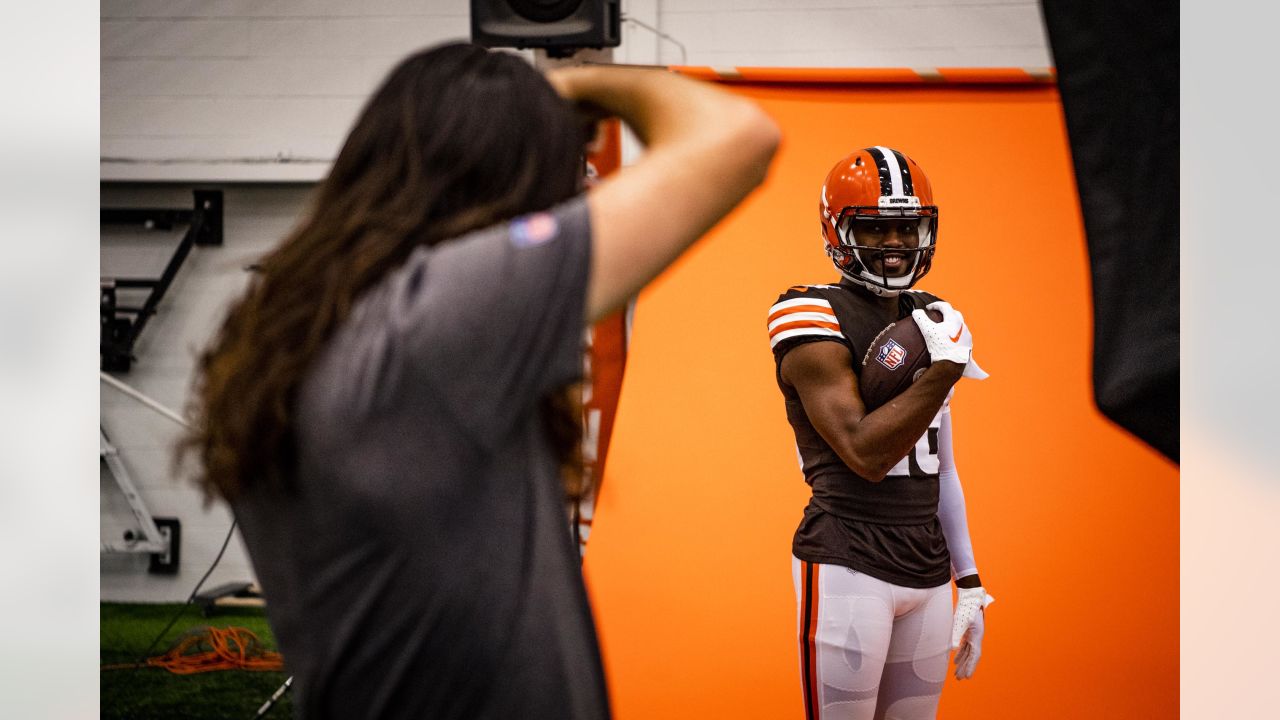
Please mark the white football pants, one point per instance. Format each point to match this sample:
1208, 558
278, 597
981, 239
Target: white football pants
869, 650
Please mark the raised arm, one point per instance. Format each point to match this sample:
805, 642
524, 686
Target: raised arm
705, 150
869, 443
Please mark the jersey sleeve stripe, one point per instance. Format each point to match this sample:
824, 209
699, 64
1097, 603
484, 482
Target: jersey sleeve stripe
818, 317
796, 332
804, 324
785, 304
801, 309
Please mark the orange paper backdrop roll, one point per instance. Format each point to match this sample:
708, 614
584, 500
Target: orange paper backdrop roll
1074, 522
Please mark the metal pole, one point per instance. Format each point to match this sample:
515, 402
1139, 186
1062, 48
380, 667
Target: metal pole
279, 693
143, 399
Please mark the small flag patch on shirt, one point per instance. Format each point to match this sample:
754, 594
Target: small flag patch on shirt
534, 229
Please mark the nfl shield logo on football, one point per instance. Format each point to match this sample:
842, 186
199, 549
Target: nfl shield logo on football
891, 355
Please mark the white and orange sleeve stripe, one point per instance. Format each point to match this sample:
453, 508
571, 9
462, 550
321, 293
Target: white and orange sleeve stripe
802, 316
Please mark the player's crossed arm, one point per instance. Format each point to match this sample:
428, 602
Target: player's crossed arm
869, 443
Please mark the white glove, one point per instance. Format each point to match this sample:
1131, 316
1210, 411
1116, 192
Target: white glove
967, 629
950, 339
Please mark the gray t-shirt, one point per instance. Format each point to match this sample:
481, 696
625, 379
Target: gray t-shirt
424, 567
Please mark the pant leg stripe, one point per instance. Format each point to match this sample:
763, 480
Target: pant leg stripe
808, 642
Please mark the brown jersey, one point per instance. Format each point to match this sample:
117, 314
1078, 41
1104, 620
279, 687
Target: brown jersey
890, 529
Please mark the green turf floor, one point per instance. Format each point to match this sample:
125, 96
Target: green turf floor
153, 693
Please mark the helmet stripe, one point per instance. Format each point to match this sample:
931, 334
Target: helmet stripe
907, 189
890, 174
882, 166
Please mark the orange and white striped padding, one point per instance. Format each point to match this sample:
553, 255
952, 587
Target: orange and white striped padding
802, 316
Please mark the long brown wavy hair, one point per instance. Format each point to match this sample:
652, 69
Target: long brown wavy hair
456, 138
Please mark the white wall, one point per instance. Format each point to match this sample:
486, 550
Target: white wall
233, 80
194, 89
257, 216
223, 89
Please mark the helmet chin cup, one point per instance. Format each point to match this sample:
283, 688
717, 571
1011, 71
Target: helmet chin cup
874, 288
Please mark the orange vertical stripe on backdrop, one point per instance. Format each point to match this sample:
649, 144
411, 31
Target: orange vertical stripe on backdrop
1075, 523
609, 335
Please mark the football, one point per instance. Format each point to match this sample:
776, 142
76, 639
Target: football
896, 357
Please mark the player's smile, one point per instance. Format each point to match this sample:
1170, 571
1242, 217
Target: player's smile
893, 264
894, 237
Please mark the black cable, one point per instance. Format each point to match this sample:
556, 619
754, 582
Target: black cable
142, 661
684, 54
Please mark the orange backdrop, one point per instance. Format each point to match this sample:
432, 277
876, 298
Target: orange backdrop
1074, 522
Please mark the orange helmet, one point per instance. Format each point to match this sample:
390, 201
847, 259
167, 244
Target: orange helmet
877, 183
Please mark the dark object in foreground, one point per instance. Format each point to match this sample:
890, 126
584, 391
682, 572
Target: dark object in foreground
1117, 68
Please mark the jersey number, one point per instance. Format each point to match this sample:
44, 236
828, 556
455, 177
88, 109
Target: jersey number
923, 458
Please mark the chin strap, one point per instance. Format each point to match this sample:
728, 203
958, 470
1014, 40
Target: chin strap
860, 281
872, 287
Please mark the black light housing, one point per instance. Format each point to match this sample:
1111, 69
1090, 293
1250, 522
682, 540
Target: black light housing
558, 26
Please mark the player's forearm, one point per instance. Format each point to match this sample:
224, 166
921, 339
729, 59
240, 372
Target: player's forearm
880, 439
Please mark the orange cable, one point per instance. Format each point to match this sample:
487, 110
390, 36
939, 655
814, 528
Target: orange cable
209, 648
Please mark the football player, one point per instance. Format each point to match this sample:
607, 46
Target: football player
885, 531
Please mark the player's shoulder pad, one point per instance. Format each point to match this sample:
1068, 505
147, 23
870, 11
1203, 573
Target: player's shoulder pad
802, 312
